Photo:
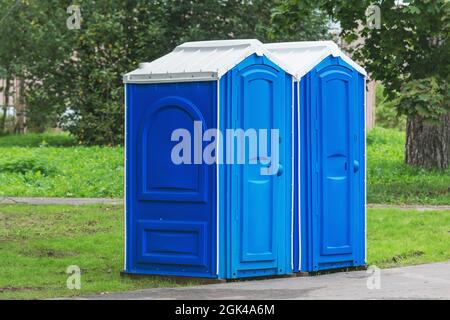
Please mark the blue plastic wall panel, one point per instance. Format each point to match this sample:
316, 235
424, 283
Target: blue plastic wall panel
362, 236
297, 188
334, 224
301, 192
255, 210
170, 209
304, 188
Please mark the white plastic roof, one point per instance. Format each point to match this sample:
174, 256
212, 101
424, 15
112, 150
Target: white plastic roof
302, 56
210, 60
202, 60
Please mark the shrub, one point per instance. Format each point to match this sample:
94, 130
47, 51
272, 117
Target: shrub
26, 165
49, 139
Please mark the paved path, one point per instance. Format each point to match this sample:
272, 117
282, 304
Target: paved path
67, 201
83, 201
428, 281
417, 207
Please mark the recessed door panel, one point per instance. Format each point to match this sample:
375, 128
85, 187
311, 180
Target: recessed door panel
334, 104
171, 206
159, 177
258, 228
259, 207
334, 187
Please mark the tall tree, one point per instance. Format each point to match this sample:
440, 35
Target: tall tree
10, 51
45, 60
294, 20
77, 73
410, 53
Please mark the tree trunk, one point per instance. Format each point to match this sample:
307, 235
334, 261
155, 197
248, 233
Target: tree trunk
6, 103
3, 122
428, 145
20, 107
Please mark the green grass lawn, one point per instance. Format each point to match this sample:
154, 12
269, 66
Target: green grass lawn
38, 243
391, 181
51, 165
405, 237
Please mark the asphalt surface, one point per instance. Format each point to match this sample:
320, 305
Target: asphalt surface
84, 201
117, 201
428, 281
64, 201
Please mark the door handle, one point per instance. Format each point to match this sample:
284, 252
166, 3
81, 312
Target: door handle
355, 166
280, 170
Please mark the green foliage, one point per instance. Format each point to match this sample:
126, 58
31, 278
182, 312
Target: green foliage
36, 54
80, 172
411, 43
81, 70
214, 19
11, 49
390, 180
27, 165
98, 171
7, 124
41, 114
37, 140
386, 114
426, 98
294, 20
409, 54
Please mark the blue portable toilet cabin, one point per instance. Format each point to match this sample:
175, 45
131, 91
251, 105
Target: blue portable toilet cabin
190, 217
329, 222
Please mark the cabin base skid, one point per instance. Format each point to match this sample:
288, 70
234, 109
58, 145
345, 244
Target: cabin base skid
202, 281
175, 279
328, 271
199, 280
